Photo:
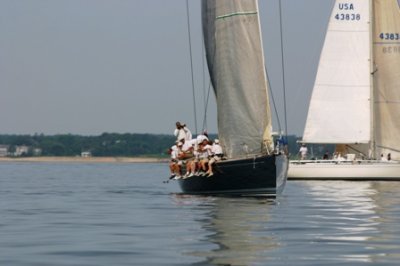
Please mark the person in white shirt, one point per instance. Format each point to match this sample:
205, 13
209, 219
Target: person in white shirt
188, 156
178, 166
179, 132
188, 133
182, 132
173, 164
217, 153
204, 153
202, 137
303, 151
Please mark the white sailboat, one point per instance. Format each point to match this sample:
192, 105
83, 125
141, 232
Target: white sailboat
355, 102
235, 58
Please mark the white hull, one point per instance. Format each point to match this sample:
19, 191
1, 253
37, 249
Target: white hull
345, 170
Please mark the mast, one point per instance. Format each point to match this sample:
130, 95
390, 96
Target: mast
372, 85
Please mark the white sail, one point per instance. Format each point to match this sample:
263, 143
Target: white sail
236, 65
384, 73
387, 77
339, 110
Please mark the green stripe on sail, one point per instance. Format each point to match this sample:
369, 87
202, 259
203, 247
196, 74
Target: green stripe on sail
237, 14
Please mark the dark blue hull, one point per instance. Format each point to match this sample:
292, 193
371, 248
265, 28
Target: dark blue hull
263, 175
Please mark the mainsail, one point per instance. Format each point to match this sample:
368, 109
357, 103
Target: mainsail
236, 64
387, 77
339, 110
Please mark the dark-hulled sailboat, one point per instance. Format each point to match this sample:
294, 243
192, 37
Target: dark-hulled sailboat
235, 60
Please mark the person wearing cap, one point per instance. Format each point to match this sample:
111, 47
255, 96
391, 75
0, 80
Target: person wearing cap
202, 137
187, 156
195, 161
216, 151
204, 154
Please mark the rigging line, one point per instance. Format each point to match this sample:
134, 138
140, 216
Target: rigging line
388, 148
205, 100
283, 67
354, 149
273, 101
209, 67
206, 106
191, 66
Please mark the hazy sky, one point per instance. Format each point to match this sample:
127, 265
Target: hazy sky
94, 66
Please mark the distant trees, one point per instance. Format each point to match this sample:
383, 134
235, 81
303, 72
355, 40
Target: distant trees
114, 144
107, 144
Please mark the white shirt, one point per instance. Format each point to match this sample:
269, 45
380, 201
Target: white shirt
188, 144
180, 134
200, 138
188, 133
174, 152
216, 149
203, 154
303, 150
208, 149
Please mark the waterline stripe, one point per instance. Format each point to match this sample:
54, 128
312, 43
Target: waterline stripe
237, 14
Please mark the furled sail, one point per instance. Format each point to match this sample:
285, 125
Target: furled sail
236, 64
339, 110
387, 77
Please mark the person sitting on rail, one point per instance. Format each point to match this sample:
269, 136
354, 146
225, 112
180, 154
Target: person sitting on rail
204, 154
173, 164
186, 155
217, 154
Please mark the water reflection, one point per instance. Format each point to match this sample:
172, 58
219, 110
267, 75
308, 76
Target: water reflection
234, 227
314, 223
387, 242
351, 219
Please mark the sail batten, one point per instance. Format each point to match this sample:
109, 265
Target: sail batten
237, 14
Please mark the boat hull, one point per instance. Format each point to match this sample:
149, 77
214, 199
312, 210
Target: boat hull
263, 176
333, 170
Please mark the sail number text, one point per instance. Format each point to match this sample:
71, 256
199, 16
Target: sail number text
343, 16
347, 7
391, 50
389, 36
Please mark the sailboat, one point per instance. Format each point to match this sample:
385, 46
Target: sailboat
355, 102
235, 59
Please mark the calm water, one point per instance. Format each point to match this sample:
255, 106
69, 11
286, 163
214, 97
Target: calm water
123, 214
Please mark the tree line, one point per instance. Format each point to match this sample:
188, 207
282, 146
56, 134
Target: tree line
106, 144
109, 144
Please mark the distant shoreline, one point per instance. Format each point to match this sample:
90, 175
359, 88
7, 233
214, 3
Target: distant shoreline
85, 159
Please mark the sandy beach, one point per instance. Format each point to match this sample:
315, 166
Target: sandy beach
86, 159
